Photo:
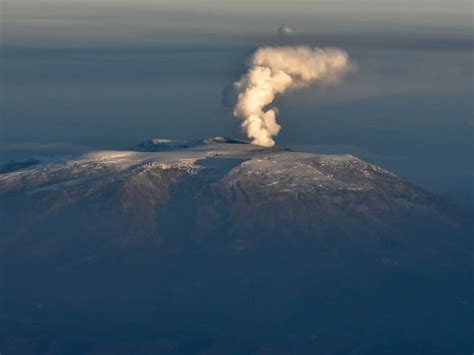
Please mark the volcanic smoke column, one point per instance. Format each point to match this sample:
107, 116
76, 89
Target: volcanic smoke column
272, 71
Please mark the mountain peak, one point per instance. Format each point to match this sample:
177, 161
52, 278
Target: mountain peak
225, 179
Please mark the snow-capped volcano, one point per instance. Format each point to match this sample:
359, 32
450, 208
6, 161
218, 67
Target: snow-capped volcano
160, 236
219, 186
222, 164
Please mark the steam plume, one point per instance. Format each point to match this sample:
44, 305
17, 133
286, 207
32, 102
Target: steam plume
272, 71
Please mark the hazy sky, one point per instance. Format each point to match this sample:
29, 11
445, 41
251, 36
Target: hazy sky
112, 23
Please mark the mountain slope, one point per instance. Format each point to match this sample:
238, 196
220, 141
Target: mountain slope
222, 247
218, 187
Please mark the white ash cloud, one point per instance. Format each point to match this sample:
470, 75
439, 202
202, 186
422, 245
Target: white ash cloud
272, 71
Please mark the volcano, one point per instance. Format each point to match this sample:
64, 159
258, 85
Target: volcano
220, 246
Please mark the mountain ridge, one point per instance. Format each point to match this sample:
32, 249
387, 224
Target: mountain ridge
229, 182
307, 252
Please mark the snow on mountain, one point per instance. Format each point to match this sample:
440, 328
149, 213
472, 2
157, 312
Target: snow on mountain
260, 237
284, 170
221, 183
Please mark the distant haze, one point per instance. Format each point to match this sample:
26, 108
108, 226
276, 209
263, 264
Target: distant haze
108, 22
